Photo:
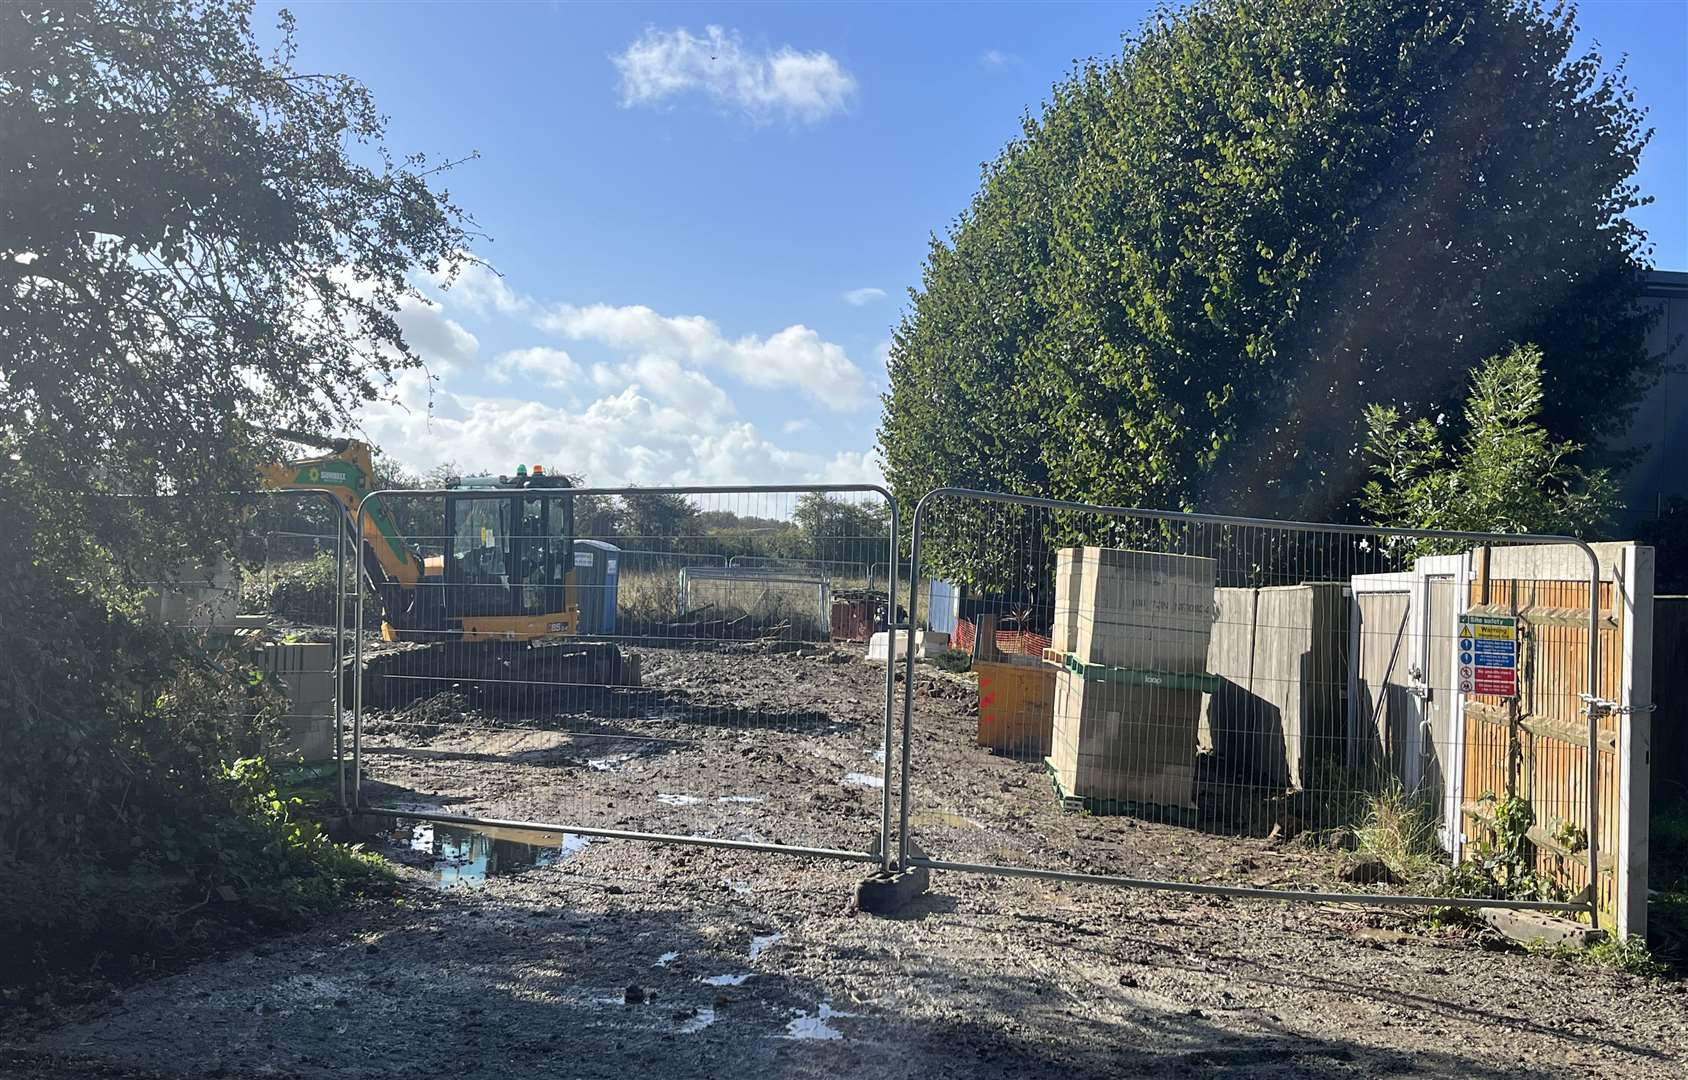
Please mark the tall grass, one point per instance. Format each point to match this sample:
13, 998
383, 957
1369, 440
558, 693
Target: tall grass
1400, 829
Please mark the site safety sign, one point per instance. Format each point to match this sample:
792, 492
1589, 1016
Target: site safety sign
1488, 655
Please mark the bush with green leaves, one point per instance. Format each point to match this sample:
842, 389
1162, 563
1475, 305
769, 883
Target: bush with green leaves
136, 824
1504, 473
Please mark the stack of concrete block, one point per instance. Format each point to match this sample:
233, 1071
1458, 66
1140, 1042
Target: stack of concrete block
1117, 736
203, 597
306, 673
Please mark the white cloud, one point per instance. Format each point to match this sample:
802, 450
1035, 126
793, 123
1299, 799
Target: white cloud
646, 415
441, 342
805, 86
858, 297
552, 367
482, 290
996, 59
854, 467
795, 357
622, 438
675, 385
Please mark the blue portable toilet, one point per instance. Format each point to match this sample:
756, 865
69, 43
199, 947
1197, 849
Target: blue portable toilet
597, 569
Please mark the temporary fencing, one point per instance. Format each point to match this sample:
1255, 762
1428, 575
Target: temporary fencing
1281, 709
678, 702
1230, 705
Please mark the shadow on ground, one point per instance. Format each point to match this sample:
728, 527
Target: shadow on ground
480, 986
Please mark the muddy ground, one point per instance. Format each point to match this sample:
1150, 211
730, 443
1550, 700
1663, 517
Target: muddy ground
750, 964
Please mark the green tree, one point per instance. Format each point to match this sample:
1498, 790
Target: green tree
1504, 474
198, 244
1185, 280
653, 521
842, 534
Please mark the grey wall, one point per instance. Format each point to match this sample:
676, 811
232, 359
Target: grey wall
1659, 431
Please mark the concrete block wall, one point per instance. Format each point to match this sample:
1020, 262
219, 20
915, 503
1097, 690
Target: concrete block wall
306, 672
1131, 609
198, 598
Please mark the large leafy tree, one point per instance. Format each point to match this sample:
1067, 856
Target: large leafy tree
198, 243
846, 535
1186, 280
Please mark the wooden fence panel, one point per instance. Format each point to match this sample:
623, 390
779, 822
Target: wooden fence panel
1536, 746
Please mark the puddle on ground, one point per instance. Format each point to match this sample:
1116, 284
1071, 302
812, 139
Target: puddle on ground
804, 1026
760, 943
740, 799
665, 959
862, 779
699, 1020
607, 764
742, 888
879, 756
726, 980
677, 800
466, 857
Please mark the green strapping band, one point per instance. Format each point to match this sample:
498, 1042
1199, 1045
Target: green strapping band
1166, 680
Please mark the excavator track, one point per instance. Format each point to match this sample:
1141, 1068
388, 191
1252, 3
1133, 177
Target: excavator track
542, 676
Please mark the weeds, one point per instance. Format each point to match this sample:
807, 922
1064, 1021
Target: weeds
1627, 955
954, 661
302, 591
1501, 865
1571, 836
1624, 956
1400, 831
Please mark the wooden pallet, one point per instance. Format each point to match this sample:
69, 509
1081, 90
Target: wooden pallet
1099, 807
1123, 676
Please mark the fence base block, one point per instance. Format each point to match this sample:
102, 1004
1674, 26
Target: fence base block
885, 892
1540, 927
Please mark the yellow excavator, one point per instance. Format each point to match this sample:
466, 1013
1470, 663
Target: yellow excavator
497, 610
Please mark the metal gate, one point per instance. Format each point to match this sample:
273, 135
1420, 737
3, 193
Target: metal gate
526, 676
1246, 707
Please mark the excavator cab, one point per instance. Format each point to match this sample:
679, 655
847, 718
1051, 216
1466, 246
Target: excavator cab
508, 552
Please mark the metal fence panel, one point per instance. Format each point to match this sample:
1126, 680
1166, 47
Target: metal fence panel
279, 604
533, 677
1250, 707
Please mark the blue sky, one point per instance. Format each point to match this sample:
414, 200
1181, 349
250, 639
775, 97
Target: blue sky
703, 258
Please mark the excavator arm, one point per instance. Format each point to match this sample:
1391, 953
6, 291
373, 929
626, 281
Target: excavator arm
348, 471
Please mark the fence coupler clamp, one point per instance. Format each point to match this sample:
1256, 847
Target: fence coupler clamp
1599, 707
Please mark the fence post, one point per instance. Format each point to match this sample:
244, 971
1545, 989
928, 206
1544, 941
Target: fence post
357, 658
339, 649
1593, 736
886, 861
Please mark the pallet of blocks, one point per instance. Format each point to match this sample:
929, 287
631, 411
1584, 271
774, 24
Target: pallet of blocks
1130, 641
